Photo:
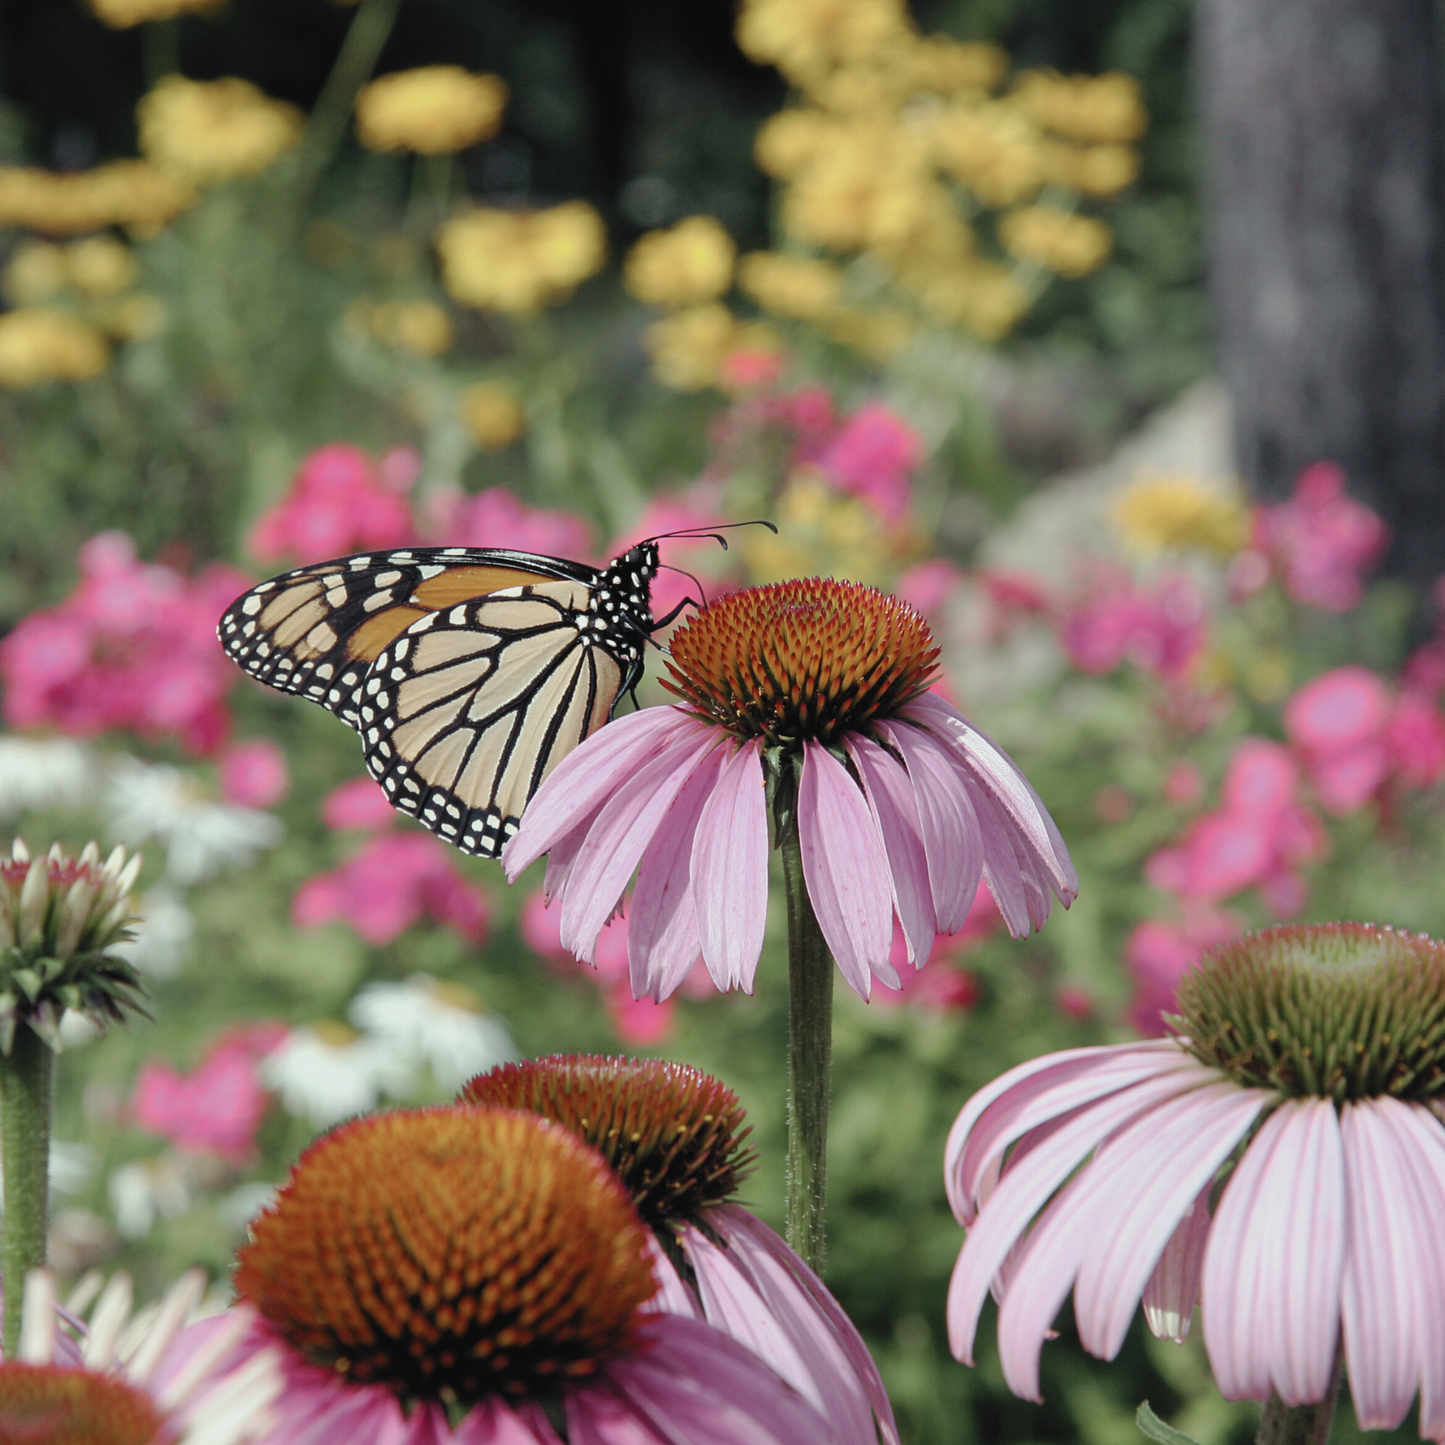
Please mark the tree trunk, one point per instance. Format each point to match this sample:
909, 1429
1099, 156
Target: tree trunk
1322, 145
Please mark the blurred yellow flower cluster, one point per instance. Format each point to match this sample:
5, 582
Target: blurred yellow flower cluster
433, 110
134, 194
493, 414
1174, 510
420, 327
898, 146
521, 261
122, 14
689, 349
40, 344
684, 266
207, 131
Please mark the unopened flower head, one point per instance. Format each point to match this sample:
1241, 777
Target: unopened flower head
1279, 1161
810, 697
465, 1267
59, 919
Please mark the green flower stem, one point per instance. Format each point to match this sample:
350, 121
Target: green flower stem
1283, 1424
27, 1073
810, 1060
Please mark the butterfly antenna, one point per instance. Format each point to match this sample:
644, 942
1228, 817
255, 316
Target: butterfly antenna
713, 533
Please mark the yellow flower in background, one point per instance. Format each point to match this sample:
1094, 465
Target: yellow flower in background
122, 14
100, 266
1094, 108
945, 66
794, 286
806, 38
994, 149
38, 344
1173, 509
789, 140
134, 317
520, 261
1057, 240
433, 110
1101, 170
133, 194
689, 263
981, 296
493, 414
420, 327
877, 332
214, 130
36, 271
689, 347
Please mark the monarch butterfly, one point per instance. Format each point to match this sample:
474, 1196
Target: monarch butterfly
470, 672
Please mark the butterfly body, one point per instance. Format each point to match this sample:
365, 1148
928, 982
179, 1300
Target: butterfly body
469, 672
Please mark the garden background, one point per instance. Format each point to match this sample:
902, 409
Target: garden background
928, 289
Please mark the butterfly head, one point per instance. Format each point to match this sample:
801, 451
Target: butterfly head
624, 590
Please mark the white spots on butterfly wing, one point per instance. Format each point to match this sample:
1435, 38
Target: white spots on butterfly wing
457, 617
398, 674
377, 599
430, 570
326, 671
423, 623
336, 597
373, 685
401, 649
360, 564
453, 552
251, 606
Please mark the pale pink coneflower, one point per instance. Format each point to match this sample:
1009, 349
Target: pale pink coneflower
149, 1380
472, 1275
808, 698
1279, 1160
675, 1137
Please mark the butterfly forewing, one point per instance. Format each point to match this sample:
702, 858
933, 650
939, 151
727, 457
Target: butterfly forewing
468, 710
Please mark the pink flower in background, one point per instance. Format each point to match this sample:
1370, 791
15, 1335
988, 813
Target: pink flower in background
254, 774
1159, 627
357, 803
1321, 541
872, 458
340, 501
750, 370
1183, 785
395, 880
929, 585
944, 986
688, 511
133, 647
498, 518
1415, 737
1160, 951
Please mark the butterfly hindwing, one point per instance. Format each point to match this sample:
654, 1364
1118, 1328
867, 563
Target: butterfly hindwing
469, 709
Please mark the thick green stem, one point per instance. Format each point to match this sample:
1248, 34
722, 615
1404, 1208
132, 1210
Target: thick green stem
26, 1076
1283, 1424
810, 1060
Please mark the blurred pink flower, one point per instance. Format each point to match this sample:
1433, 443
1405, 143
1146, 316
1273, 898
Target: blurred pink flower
1074, 1001
1321, 541
254, 774
1415, 737
133, 647
357, 803
339, 501
929, 585
944, 985
1160, 951
389, 885
498, 518
748, 370
218, 1107
1159, 627
872, 457
1183, 785
687, 511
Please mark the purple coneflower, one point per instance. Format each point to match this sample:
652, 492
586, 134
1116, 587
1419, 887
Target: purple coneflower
1279, 1160
473, 1275
153, 1381
675, 1138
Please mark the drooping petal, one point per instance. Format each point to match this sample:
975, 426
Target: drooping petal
1276, 1253
950, 830
495, 1423
845, 868
662, 934
673, 1297
587, 776
563, 854
1001, 864
615, 843
1173, 1288
730, 870
895, 813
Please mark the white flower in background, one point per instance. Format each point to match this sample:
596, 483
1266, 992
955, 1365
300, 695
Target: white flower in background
439, 1025
202, 837
327, 1073
164, 928
43, 773
146, 1190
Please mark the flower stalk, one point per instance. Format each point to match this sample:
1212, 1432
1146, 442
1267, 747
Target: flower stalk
1282, 1424
27, 1075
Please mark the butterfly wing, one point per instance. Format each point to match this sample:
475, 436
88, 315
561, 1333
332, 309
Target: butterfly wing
470, 708
318, 630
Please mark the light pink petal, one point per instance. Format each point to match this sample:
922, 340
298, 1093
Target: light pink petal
587, 776
662, 936
946, 817
730, 870
1023, 1191
673, 1297
1385, 1268
616, 841
563, 854
1006, 783
845, 868
1173, 1288
494, 1423
895, 814
1276, 1253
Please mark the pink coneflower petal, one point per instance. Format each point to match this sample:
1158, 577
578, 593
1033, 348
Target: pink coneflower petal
563, 854
582, 783
895, 814
1272, 1268
946, 815
616, 841
1173, 1288
730, 870
846, 869
1385, 1268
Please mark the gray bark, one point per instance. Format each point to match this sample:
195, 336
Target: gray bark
1321, 134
